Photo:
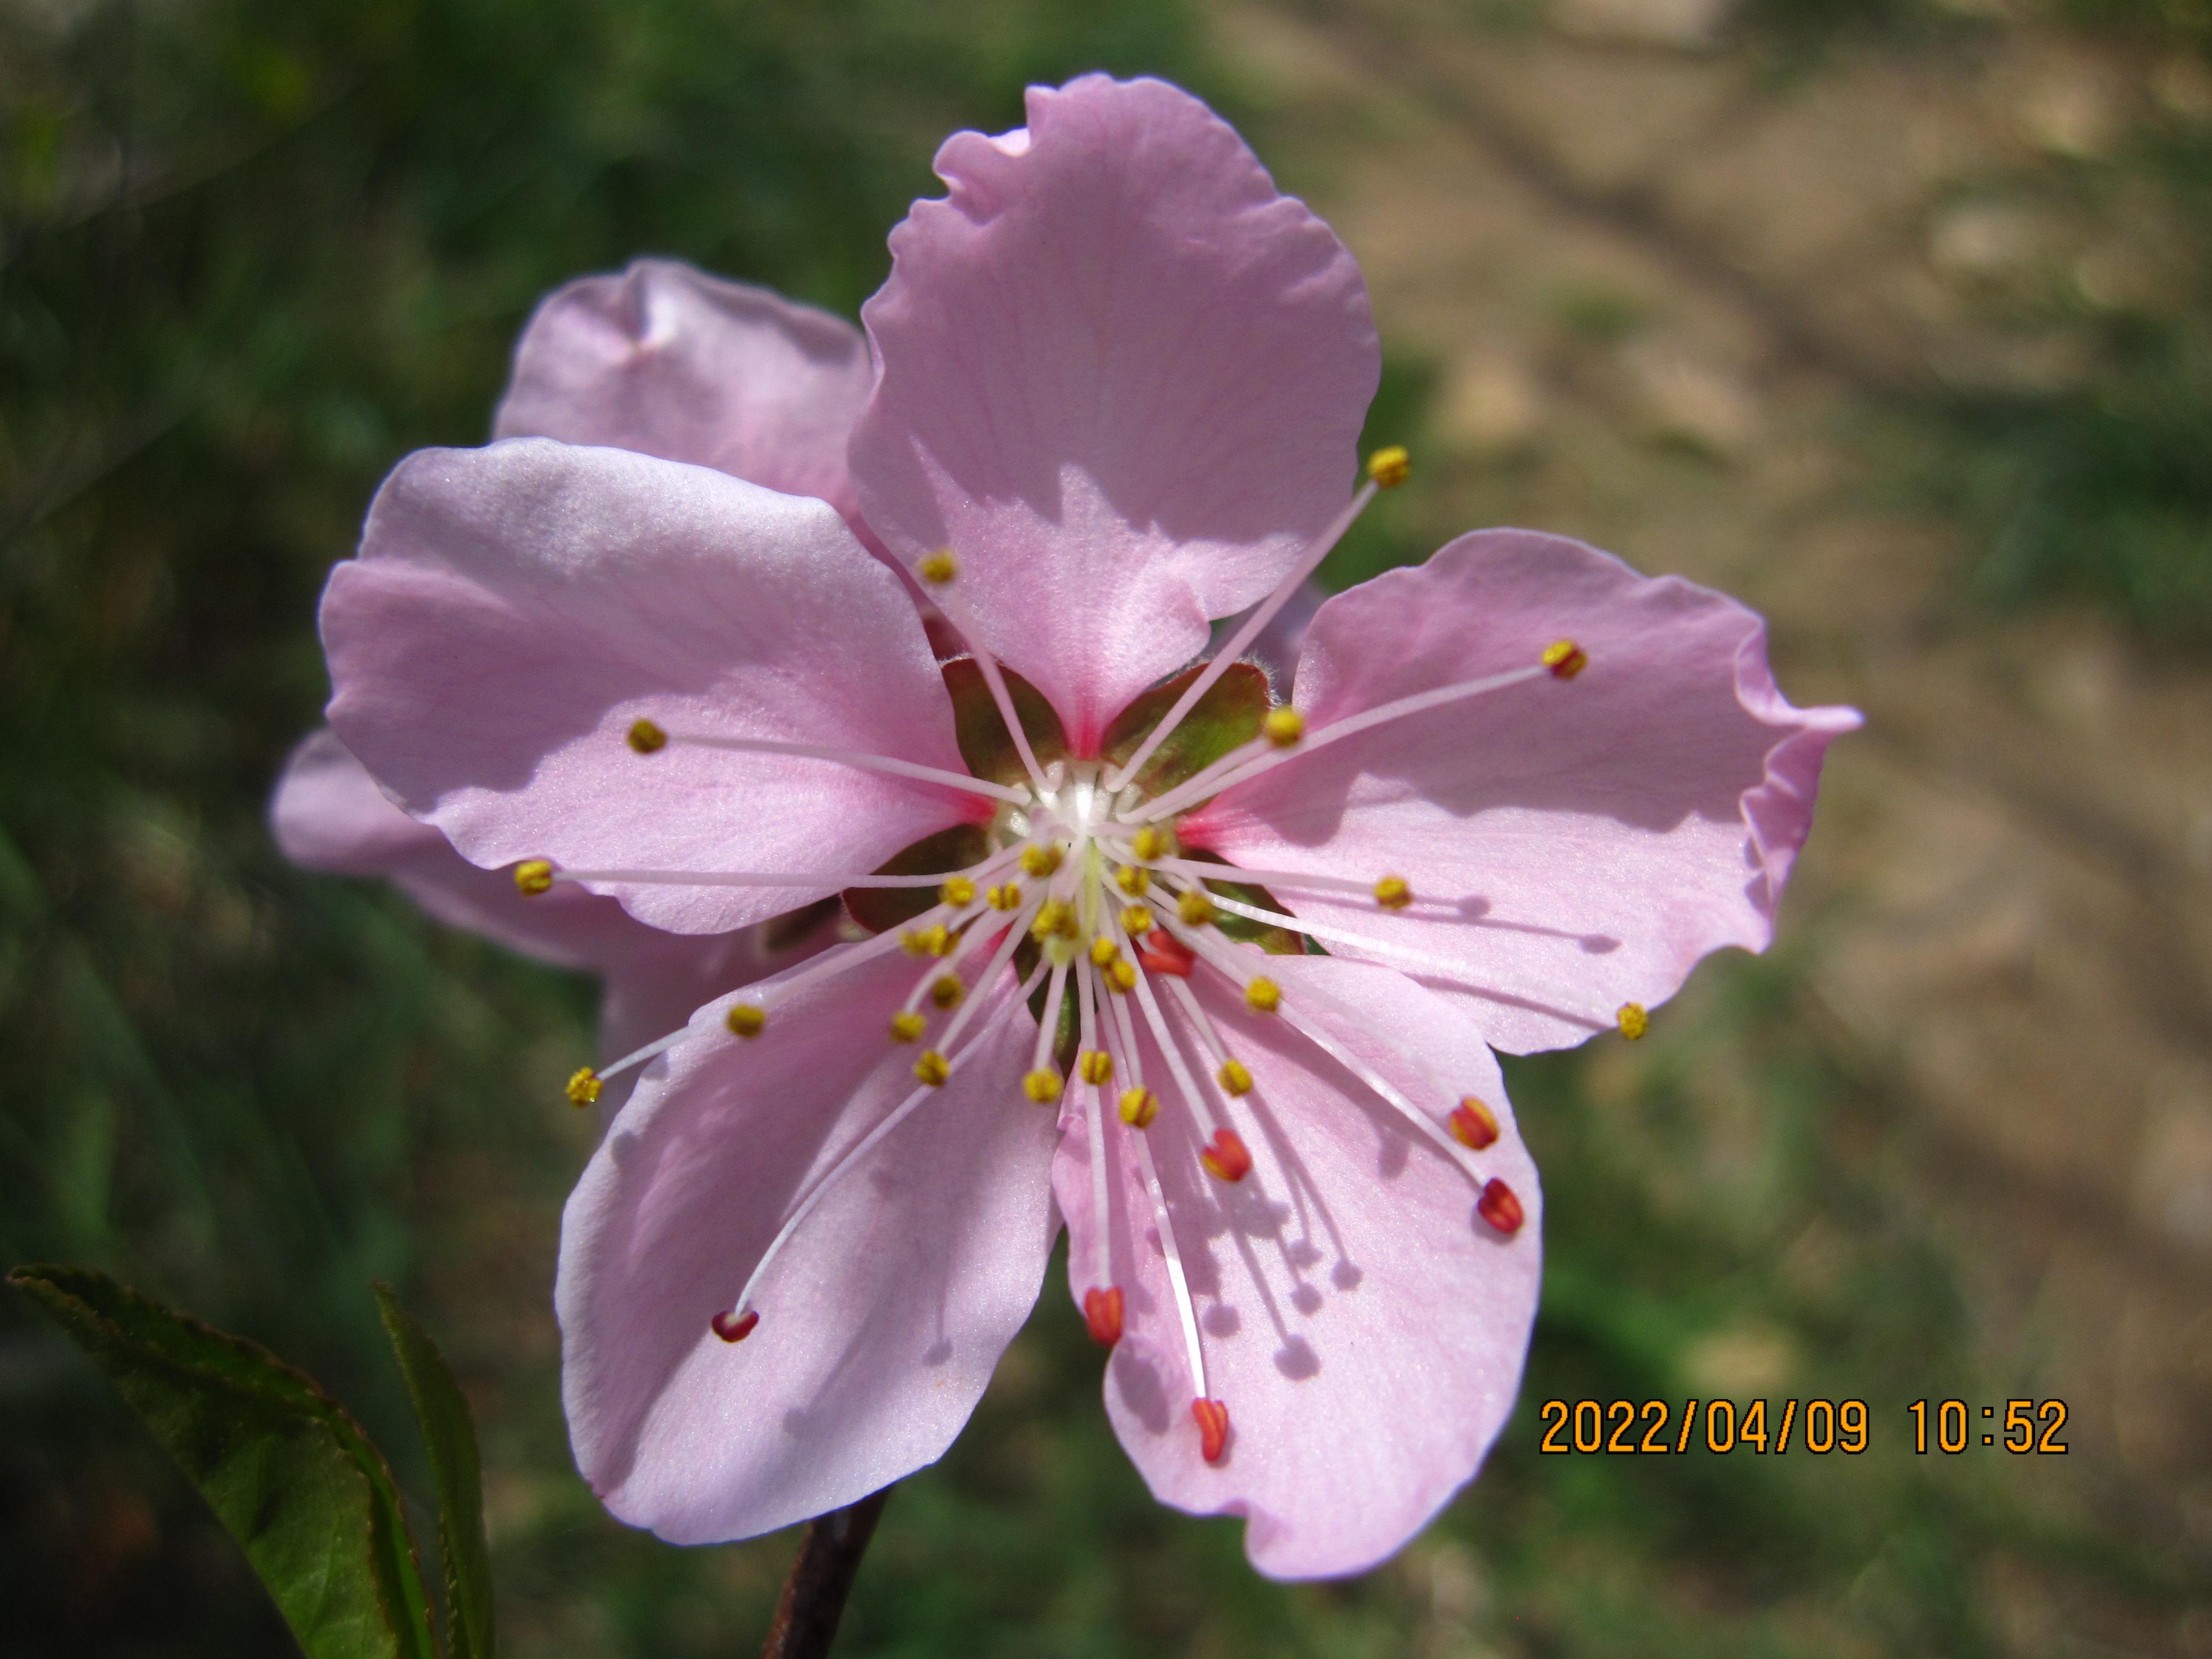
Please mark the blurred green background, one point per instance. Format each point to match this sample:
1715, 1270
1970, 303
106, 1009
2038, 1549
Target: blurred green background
1891, 315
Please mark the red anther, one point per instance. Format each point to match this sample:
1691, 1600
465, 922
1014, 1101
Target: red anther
1213, 1420
734, 1326
1102, 1311
1161, 952
1474, 1125
1227, 1159
1499, 1207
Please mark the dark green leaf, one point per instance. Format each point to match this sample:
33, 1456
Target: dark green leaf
879, 910
451, 1437
284, 1467
985, 742
1227, 717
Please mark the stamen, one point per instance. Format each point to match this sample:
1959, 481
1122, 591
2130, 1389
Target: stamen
1226, 1157
1634, 1021
1565, 659
1139, 1106
1043, 1085
1254, 625
733, 1328
1006, 896
1195, 908
1283, 727
745, 1019
935, 940
829, 881
1235, 1077
1389, 466
1120, 974
1339, 935
907, 1026
533, 878
1048, 1027
933, 1069
1102, 1312
897, 768
1474, 1125
1103, 952
958, 891
1178, 1281
1262, 995
1152, 841
938, 567
946, 991
1393, 894
1094, 1124
1232, 770
1095, 1066
647, 738
1500, 1207
1136, 920
1040, 859
1132, 880
1213, 1420
1202, 871
1163, 953
583, 1086
1054, 917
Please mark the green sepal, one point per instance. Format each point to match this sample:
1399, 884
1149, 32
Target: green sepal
879, 910
1068, 1037
450, 1435
285, 1468
1226, 718
1275, 941
984, 744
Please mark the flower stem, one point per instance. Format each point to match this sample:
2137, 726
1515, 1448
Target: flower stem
821, 1578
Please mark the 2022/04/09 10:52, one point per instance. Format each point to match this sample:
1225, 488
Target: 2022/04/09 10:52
1818, 1426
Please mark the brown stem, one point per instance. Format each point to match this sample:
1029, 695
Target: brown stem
821, 1578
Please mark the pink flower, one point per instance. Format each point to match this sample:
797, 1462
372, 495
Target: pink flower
1520, 791
666, 361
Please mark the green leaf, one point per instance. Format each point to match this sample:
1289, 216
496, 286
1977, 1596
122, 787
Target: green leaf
1226, 718
879, 909
985, 742
451, 1437
285, 1468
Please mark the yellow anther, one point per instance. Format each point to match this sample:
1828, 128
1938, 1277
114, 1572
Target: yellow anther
533, 877
1139, 1107
1565, 659
1283, 726
1040, 859
1041, 1085
1104, 950
1235, 1079
1388, 467
584, 1087
1392, 893
1263, 996
907, 1026
939, 566
1132, 880
1152, 841
1095, 1066
934, 941
1634, 1021
1195, 908
1121, 976
645, 736
1006, 896
1054, 917
1137, 921
946, 990
745, 1019
956, 891
933, 1069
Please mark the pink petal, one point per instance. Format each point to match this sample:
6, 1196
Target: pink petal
1122, 376
514, 609
669, 362
1575, 845
1365, 1329
880, 1321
